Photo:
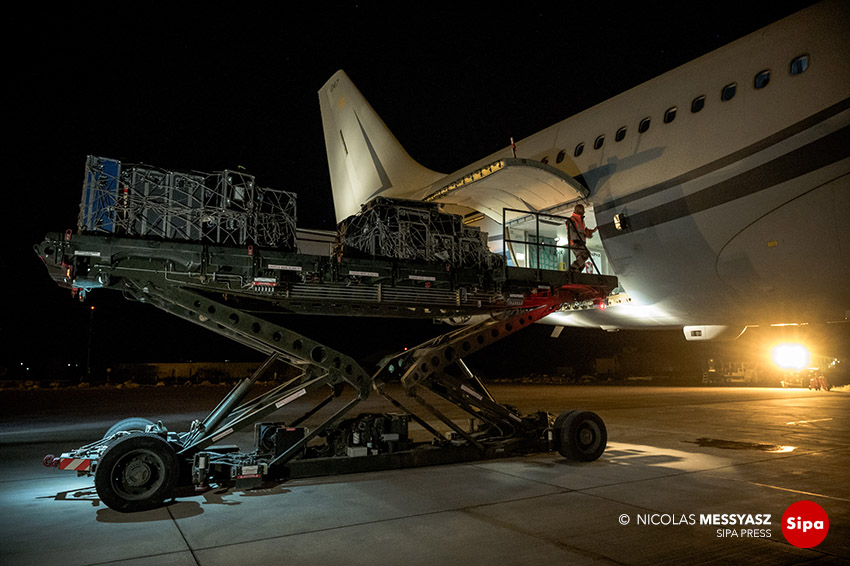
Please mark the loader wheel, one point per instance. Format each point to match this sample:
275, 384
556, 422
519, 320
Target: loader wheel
136, 473
582, 435
133, 423
559, 424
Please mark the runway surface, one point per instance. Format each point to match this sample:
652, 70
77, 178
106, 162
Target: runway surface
676, 457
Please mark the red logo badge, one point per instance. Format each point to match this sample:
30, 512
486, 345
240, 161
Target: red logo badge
805, 524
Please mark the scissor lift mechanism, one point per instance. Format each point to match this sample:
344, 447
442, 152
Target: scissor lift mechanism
138, 464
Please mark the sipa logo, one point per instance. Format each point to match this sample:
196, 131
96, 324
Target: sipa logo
805, 524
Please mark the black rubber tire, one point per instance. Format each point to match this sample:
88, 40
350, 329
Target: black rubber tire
133, 423
582, 435
136, 473
559, 423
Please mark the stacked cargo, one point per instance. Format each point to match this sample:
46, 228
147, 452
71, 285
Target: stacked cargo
413, 230
225, 207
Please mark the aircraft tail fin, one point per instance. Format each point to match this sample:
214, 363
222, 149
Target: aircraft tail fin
364, 158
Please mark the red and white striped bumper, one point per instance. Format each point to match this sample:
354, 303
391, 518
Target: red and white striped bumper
75, 464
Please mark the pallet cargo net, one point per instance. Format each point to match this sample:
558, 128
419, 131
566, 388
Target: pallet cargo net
413, 230
224, 207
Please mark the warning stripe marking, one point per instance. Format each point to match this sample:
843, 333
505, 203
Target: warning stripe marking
75, 464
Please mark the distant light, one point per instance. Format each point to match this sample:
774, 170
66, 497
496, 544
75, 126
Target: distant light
791, 356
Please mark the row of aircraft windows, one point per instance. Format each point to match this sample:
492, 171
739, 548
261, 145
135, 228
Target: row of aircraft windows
761, 80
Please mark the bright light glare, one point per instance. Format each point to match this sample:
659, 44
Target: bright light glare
791, 356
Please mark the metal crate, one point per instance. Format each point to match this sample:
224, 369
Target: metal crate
224, 207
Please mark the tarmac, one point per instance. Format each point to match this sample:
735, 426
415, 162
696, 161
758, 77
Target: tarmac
681, 465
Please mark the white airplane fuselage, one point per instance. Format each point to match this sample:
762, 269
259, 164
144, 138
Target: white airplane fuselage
737, 208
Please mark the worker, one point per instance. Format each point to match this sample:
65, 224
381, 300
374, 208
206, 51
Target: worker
578, 234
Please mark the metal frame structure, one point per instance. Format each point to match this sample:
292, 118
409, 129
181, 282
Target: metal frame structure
138, 463
225, 207
507, 241
216, 287
413, 231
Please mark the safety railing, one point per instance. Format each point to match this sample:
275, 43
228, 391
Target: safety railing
542, 251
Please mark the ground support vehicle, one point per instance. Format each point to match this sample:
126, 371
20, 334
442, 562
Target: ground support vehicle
138, 463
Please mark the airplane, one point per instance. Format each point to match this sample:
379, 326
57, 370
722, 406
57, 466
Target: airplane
720, 188
720, 194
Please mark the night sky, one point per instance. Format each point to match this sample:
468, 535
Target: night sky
221, 89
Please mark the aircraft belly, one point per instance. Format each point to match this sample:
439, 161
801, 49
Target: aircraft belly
615, 318
665, 267
795, 256
734, 262
699, 249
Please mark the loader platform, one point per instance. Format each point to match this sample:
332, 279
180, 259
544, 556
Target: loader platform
221, 266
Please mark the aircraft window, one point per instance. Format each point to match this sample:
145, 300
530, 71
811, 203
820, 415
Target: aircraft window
621, 133
762, 79
599, 141
644, 125
800, 64
728, 92
670, 115
698, 104
561, 155
579, 149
